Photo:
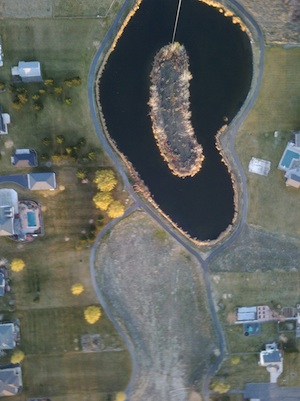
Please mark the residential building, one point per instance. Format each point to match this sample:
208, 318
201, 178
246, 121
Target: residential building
28, 71
8, 210
42, 181
10, 380
9, 333
24, 158
271, 358
4, 121
246, 314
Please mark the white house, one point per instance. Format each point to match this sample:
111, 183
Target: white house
28, 71
290, 162
4, 121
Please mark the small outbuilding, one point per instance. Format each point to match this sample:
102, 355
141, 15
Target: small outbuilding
246, 314
259, 166
4, 121
28, 71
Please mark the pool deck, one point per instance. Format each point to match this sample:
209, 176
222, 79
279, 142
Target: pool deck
290, 153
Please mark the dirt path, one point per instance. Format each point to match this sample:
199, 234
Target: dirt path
154, 288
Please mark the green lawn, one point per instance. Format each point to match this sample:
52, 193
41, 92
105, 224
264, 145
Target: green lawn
271, 203
51, 317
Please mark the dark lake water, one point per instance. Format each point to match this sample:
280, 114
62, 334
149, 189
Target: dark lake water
221, 65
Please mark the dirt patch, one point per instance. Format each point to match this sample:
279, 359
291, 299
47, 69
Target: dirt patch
155, 289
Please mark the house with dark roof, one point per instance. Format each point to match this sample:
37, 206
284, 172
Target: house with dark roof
42, 181
11, 380
4, 121
271, 358
28, 71
290, 161
24, 158
8, 335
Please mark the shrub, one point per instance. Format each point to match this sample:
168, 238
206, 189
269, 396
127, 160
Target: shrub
49, 82
17, 265
77, 289
38, 106
17, 356
68, 101
120, 396
60, 139
92, 314
46, 141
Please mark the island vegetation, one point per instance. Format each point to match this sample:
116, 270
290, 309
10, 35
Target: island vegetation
170, 111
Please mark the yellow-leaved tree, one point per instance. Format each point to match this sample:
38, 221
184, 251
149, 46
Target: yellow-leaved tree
120, 396
115, 209
102, 200
92, 314
17, 356
17, 265
105, 180
221, 387
77, 289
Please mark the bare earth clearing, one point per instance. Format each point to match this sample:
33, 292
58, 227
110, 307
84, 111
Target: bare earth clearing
155, 289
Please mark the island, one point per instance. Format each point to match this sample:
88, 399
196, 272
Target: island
170, 111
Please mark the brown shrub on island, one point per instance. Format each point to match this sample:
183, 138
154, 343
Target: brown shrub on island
170, 111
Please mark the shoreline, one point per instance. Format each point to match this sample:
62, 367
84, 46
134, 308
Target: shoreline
233, 169
170, 111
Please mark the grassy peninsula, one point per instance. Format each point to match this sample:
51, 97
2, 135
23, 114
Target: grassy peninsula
170, 114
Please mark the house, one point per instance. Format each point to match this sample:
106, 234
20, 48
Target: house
290, 161
42, 181
4, 121
271, 358
8, 209
246, 314
24, 158
8, 334
10, 380
28, 71
2, 284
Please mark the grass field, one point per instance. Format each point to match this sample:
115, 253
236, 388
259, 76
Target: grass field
271, 203
51, 317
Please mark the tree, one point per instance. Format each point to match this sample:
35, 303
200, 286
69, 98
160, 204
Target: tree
60, 139
102, 200
105, 180
115, 209
58, 90
49, 82
81, 142
81, 174
23, 97
17, 105
68, 101
77, 289
92, 155
92, 314
46, 141
221, 387
235, 360
42, 91
38, 106
17, 356
17, 265
2, 86
36, 96
120, 396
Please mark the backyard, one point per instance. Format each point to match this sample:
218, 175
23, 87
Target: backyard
52, 319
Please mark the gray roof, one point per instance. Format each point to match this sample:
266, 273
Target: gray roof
297, 139
2, 125
270, 357
295, 177
10, 381
41, 181
6, 220
2, 284
7, 340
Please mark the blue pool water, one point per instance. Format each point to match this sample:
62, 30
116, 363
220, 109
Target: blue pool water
31, 219
288, 157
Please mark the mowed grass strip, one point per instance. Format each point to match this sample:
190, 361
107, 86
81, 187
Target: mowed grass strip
271, 203
58, 330
75, 373
69, 8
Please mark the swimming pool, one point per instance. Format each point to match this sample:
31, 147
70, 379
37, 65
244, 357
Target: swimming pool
31, 218
288, 157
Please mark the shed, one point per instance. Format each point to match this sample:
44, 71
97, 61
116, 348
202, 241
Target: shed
246, 313
7, 336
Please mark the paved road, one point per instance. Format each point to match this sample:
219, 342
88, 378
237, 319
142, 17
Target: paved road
139, 203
